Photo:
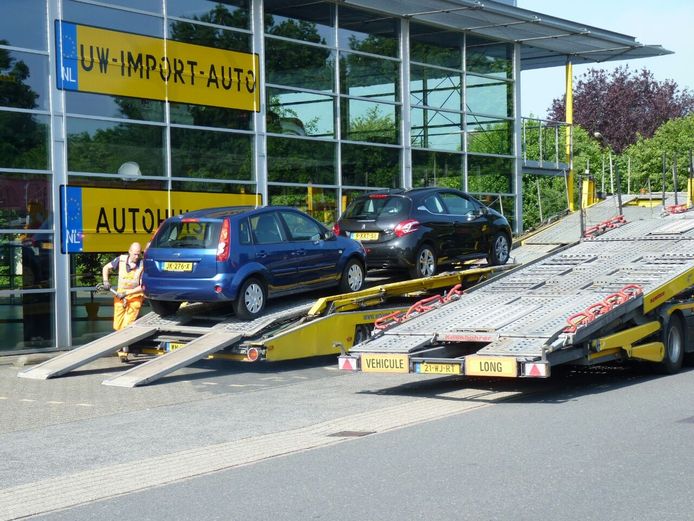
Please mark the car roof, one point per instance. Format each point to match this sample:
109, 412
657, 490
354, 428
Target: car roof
412, 192
228, 211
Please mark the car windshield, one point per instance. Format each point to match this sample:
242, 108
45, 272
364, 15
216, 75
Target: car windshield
373, 207
187, 234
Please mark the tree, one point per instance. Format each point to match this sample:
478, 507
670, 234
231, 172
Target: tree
624, 104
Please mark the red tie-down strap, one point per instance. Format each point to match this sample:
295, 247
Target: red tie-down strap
609, 224
585, 317
677, 208
419, 307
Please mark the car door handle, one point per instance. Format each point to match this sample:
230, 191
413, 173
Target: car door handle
299, 253
260, 254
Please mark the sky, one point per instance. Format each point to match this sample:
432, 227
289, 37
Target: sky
665, 22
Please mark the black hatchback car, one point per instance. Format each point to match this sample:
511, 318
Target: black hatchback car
424, 228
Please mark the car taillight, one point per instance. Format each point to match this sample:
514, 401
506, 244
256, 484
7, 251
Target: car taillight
224, 242
405, 227
336, 229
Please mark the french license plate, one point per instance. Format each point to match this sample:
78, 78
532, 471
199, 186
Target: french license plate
438, 368
385, 363
490, 366
178, 266
365, 236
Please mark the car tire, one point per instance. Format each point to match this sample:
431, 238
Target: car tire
352, 277
164, 307
499, 250
251, 300
425, 263
673, 338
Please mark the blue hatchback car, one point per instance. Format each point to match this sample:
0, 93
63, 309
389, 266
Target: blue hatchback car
245, 256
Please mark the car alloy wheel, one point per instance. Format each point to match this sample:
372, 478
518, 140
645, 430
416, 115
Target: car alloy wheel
425, 263
500, 249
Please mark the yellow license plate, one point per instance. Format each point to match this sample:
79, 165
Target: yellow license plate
438, 368
178, 266
365, 236
490, 366
385, 363
172, 346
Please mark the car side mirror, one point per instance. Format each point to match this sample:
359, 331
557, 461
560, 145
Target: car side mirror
329, 235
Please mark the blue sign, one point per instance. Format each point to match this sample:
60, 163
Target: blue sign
71, 223
66, 62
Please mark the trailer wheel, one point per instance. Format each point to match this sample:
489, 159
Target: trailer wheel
361, 333
674, 346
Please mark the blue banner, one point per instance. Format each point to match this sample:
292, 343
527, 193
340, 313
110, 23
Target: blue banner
66, 59
72, 233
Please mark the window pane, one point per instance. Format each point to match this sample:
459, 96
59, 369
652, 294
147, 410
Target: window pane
372, 122
312, 22
319, 203
210, 36
300, 161
114, 106
437, 169
232, 13
27, 260
489, 175
103, 146
92, 315
436, 46
29, 321
300, 113
210, 155
489, 96
370, 166
117, 182
25, 201
207, 186
115, 19
489, 136
23, 80
300, 227
298, 65
436, 129
204, 116
368, 77
367, 32
23, 23
489, 57
435, 88
24, 140
153, 6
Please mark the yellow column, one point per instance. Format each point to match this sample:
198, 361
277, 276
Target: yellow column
569, 108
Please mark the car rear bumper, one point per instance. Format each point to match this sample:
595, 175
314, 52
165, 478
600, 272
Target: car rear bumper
192, 290
389, 255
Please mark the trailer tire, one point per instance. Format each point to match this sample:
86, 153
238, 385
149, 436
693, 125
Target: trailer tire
673, 339
164, 307
362, 332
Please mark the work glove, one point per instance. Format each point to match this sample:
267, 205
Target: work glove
120, 295
106, 285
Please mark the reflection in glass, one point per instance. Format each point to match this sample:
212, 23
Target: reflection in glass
367, 32
116, 182
435, 88
103, 146
153, 6
114, 19
436, 46
488, 96
209, 36
300, 113
23, 80
211, 187
489, 57
231, 13
319, 203
208, 154
27, 259
92, 314
298, 65
300, 161
204, 116
437, 169
370, 166
23, 23
489, 135
114, 106
24, 140
436, 129
368, 121
310, 22
489, 175
27, 320
368, 77
25, 201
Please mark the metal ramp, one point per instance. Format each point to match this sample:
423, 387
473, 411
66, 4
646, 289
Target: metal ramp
217, 338
69, 360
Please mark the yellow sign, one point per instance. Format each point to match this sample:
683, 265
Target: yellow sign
490, 366
109, 220
123, 64
385, 363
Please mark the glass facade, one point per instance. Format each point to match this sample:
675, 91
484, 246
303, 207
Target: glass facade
342, 111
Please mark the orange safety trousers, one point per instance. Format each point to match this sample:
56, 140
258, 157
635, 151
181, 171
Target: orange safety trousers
125, 315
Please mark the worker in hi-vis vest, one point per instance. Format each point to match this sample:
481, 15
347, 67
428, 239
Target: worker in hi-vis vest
129, 294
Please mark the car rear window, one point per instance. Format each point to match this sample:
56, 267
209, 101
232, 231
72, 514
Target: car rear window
375, 207
187, 234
